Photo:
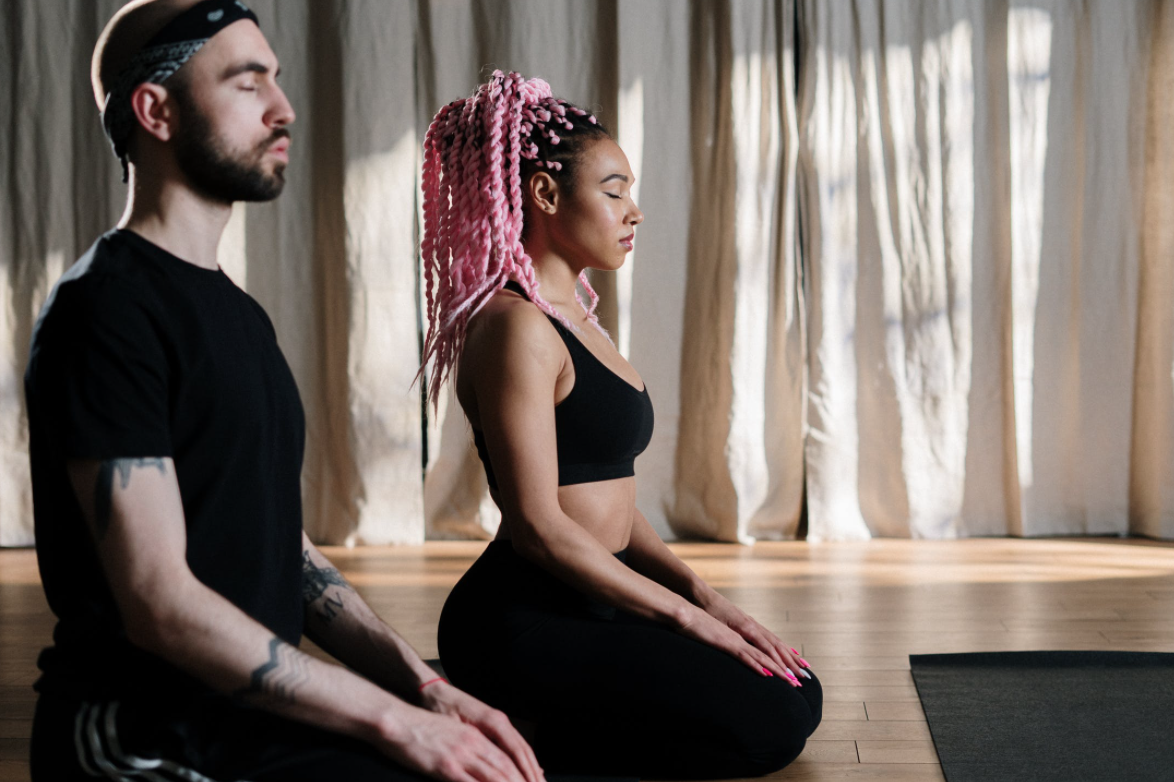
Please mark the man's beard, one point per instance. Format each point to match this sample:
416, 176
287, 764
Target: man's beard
217, 173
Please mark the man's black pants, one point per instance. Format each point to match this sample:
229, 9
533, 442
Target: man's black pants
206, 740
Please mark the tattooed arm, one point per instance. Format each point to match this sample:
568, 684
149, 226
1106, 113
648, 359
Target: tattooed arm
136, 519
341, 622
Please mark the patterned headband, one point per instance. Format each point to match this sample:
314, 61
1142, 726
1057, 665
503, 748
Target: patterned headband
160, 58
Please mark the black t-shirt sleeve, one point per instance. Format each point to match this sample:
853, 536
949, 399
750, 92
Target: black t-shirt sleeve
103, 368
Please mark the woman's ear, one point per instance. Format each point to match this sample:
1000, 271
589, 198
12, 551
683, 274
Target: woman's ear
544, 194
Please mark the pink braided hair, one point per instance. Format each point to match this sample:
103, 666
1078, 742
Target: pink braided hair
474, 154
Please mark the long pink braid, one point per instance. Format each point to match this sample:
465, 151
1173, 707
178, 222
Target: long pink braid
473, 206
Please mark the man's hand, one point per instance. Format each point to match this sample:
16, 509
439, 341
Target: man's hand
443, 698
446, 747
454, 737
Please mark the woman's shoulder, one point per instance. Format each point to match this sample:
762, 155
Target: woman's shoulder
507, 314
511, 326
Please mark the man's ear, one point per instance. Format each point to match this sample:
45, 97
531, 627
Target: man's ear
154, 113
544, 192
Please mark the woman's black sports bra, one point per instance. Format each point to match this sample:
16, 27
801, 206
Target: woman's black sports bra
601, 426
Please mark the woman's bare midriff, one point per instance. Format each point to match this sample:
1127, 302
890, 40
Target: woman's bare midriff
603, 508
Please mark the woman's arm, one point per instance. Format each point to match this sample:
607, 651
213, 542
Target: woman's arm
648, 554
513, 360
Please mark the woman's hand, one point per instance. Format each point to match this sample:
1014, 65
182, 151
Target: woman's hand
702, 626
443, 698
783, 656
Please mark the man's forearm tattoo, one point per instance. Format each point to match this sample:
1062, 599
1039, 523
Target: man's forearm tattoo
104, 486
279, 678
315, 581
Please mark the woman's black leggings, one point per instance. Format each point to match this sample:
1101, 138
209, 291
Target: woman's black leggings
609, 692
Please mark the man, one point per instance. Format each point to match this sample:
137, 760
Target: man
166, 439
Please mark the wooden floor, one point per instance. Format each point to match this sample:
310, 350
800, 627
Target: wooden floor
855, 610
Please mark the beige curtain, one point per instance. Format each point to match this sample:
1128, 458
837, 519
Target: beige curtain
739, 457
60, 191
986, 221
632, 63
911, 259
331, 260
573, 45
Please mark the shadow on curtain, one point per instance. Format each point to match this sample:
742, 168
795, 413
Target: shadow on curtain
905, 265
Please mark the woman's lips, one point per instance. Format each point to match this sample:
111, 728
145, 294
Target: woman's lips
627, 241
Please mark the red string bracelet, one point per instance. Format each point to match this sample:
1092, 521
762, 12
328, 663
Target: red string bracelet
434, 681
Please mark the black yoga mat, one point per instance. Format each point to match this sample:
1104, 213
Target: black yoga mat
1041, 716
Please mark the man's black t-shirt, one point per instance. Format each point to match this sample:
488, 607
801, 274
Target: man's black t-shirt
139, 354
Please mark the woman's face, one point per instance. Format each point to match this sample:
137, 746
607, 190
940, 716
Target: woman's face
595, 223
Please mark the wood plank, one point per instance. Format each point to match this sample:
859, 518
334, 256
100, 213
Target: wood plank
864, 692
857, 772
818, 751
1159, 634
17, 694
872, 730
897, 752
885, 710
17, 711
862, 663
17, 749
1153, 611
844, 711
14, 771
16, 728
26, 678
814, 650
915, 637
1153, 624
918, 623
855, 611
833, 677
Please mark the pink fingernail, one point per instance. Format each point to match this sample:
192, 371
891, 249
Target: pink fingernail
804, 663
794, 651
768, 673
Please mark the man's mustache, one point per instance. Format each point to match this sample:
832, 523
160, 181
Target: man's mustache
274, 137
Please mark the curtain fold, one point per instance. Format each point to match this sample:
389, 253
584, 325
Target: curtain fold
889, 101
1151, 491
907, 267
330, 261
980, 205
572, 46
60, 182
739, 451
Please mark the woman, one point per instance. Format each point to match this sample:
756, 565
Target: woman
577, 617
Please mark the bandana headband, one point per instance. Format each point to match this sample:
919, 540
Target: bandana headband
160, 58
